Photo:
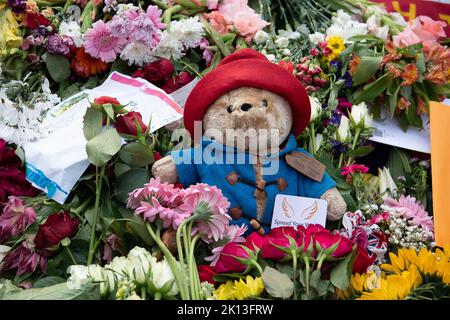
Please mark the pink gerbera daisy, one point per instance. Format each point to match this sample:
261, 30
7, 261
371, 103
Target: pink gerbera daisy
101, 44
234, 233
210, 206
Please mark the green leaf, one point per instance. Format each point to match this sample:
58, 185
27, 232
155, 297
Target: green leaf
373, 89
103, 147
366, 69
136, 154
398, 163
120, 168
85, 291
58, 67
48, 281
109, 110
121, 66
359, 152
277, 284
393, 98
340, 274
93, 123
133, 179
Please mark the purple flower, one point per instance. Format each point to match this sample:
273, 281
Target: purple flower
24, 259
335, 64
336, 118
15, 219
57, 44
338, 147
17, 6
348, 80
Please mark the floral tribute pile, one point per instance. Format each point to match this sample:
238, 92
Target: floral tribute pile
123, 234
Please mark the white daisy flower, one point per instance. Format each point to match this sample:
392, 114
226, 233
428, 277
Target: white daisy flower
137, 53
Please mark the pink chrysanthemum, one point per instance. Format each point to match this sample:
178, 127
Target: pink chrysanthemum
101, 44
234, 233
211, 207
15, 218
409, 208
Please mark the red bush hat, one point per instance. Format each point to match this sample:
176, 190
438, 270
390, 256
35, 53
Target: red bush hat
248, 68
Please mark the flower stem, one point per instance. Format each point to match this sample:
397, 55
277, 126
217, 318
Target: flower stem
341, 159
313, 139
98, 192
256, 264
355, 141
182, 229
158, 296
143, 293
195, 286
306, 259
170, 259
294, 270
69, 252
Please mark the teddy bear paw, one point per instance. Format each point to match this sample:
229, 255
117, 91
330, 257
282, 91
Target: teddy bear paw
336, 204
165, 169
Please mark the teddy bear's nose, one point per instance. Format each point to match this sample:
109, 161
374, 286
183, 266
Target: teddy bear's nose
246, 106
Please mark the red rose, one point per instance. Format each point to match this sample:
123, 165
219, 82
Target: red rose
12, 175
157, 155
227, 262
255, 240
57, 227
279, 237
34, 20
128, 124
287, 65
157, 72
327, 240
106, 100
180, 81
206, 273
362, 260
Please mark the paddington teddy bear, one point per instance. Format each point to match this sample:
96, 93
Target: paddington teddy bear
247, 113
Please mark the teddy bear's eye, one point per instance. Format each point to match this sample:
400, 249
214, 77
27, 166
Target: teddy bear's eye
230, 108
265, 103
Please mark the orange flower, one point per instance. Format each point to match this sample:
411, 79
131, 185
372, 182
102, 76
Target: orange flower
353, 64
403, 104
438, 74
395, 71
421, 106
439, 59
85, 65
409, 74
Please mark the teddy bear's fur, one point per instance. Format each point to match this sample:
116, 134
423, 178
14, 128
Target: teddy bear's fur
249, 111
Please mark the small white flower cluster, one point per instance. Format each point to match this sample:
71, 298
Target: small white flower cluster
124, 274
404, 234
180, 36
23, 110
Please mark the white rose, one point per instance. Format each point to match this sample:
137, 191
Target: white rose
282, 42
271, 57
77, 274
286, 52
343, 134
162, 279
261, 37
139, 266
318, 142
360, 117
316, 108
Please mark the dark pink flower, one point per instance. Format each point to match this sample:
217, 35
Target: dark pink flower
15, 219
279, 237
228, 262
358, 168
327, 240
255, 241
24, 259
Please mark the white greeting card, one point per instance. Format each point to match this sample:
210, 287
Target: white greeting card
292, 211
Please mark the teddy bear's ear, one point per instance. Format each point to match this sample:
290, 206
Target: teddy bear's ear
243, 54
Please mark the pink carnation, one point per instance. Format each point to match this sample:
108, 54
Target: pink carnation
24, 259
101, 44
358, 168
15, 219
213, 223
409, 208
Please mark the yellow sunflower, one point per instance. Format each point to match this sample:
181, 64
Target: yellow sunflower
395, 286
